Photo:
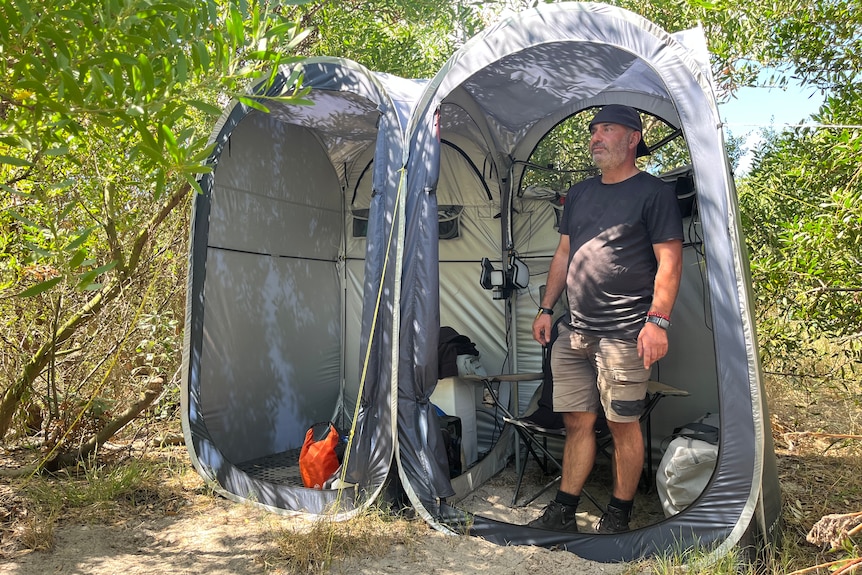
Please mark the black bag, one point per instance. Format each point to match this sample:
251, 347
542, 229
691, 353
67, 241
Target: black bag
450, 429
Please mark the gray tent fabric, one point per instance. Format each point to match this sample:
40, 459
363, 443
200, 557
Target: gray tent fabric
497, 97
289, 316
332, 242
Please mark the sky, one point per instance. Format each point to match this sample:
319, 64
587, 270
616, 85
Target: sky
754, 109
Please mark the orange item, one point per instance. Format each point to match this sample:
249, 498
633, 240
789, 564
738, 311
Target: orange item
318, 459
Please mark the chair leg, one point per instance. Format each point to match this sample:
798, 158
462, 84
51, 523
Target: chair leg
529, 441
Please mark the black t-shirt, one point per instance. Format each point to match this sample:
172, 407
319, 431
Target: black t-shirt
612, 266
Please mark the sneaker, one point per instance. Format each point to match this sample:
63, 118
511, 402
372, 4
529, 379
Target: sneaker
557, 517
614, 520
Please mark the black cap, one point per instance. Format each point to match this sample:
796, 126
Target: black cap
624, 116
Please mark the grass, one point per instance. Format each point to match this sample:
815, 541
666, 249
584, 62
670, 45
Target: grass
817, 430
371, 534
818, 453
95, 493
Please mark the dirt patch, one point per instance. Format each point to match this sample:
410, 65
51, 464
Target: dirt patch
186, 529
233, 539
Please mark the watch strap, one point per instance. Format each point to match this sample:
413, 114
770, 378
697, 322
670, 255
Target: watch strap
658, 320
544, 310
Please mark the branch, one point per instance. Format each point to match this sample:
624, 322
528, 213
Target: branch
65, 459
155, 221
11, 397
844, 563
822, 289
819, 434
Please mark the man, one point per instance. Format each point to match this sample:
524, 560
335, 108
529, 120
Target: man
620, 261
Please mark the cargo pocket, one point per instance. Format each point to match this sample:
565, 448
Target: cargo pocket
628, 392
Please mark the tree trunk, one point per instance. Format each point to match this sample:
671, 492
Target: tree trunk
11, 399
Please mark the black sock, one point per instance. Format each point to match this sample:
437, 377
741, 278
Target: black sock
625, 506
567, 499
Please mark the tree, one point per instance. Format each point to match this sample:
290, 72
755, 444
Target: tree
803, 207
105, 114
408, 38
105, 111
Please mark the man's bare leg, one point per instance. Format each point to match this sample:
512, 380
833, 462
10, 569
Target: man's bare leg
628, 458
627, 468
579, 453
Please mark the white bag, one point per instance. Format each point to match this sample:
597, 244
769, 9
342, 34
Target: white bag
687, 465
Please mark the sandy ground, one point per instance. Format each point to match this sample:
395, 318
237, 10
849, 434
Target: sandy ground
232, 539
226, 542
221, 537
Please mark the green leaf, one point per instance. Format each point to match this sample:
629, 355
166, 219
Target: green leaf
205, 107
200, 56
25, 221
194, 183
204, 153
280, 30
160, 185
78, 241
147, 78
69, 88
87, 277
235, 29
77, 259
11, 190
14, 161
58, 151
59, 41
182, 68
170, 142
155, 155
40, 287
253, 103
61, 185
212, 12
297, 39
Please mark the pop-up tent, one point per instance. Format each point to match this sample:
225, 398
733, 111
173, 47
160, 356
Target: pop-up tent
332, 242
471, 140
290, 287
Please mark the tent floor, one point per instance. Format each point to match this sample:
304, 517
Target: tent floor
280, 468
493, 499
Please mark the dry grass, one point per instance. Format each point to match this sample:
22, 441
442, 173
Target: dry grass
817, 430
371, 534
820, 470
109, 491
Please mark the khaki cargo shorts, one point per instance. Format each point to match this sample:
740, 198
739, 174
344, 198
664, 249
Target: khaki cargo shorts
591, 372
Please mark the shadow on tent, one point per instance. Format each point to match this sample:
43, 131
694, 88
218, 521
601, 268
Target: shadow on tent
332, 241
288, 314
472, 137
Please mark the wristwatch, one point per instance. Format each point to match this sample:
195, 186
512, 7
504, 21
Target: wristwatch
658, 320
547, 310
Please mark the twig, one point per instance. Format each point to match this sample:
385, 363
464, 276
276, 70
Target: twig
843, 562
154, 388
849, 567
819, 434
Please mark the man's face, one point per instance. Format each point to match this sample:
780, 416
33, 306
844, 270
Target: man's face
609, 145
